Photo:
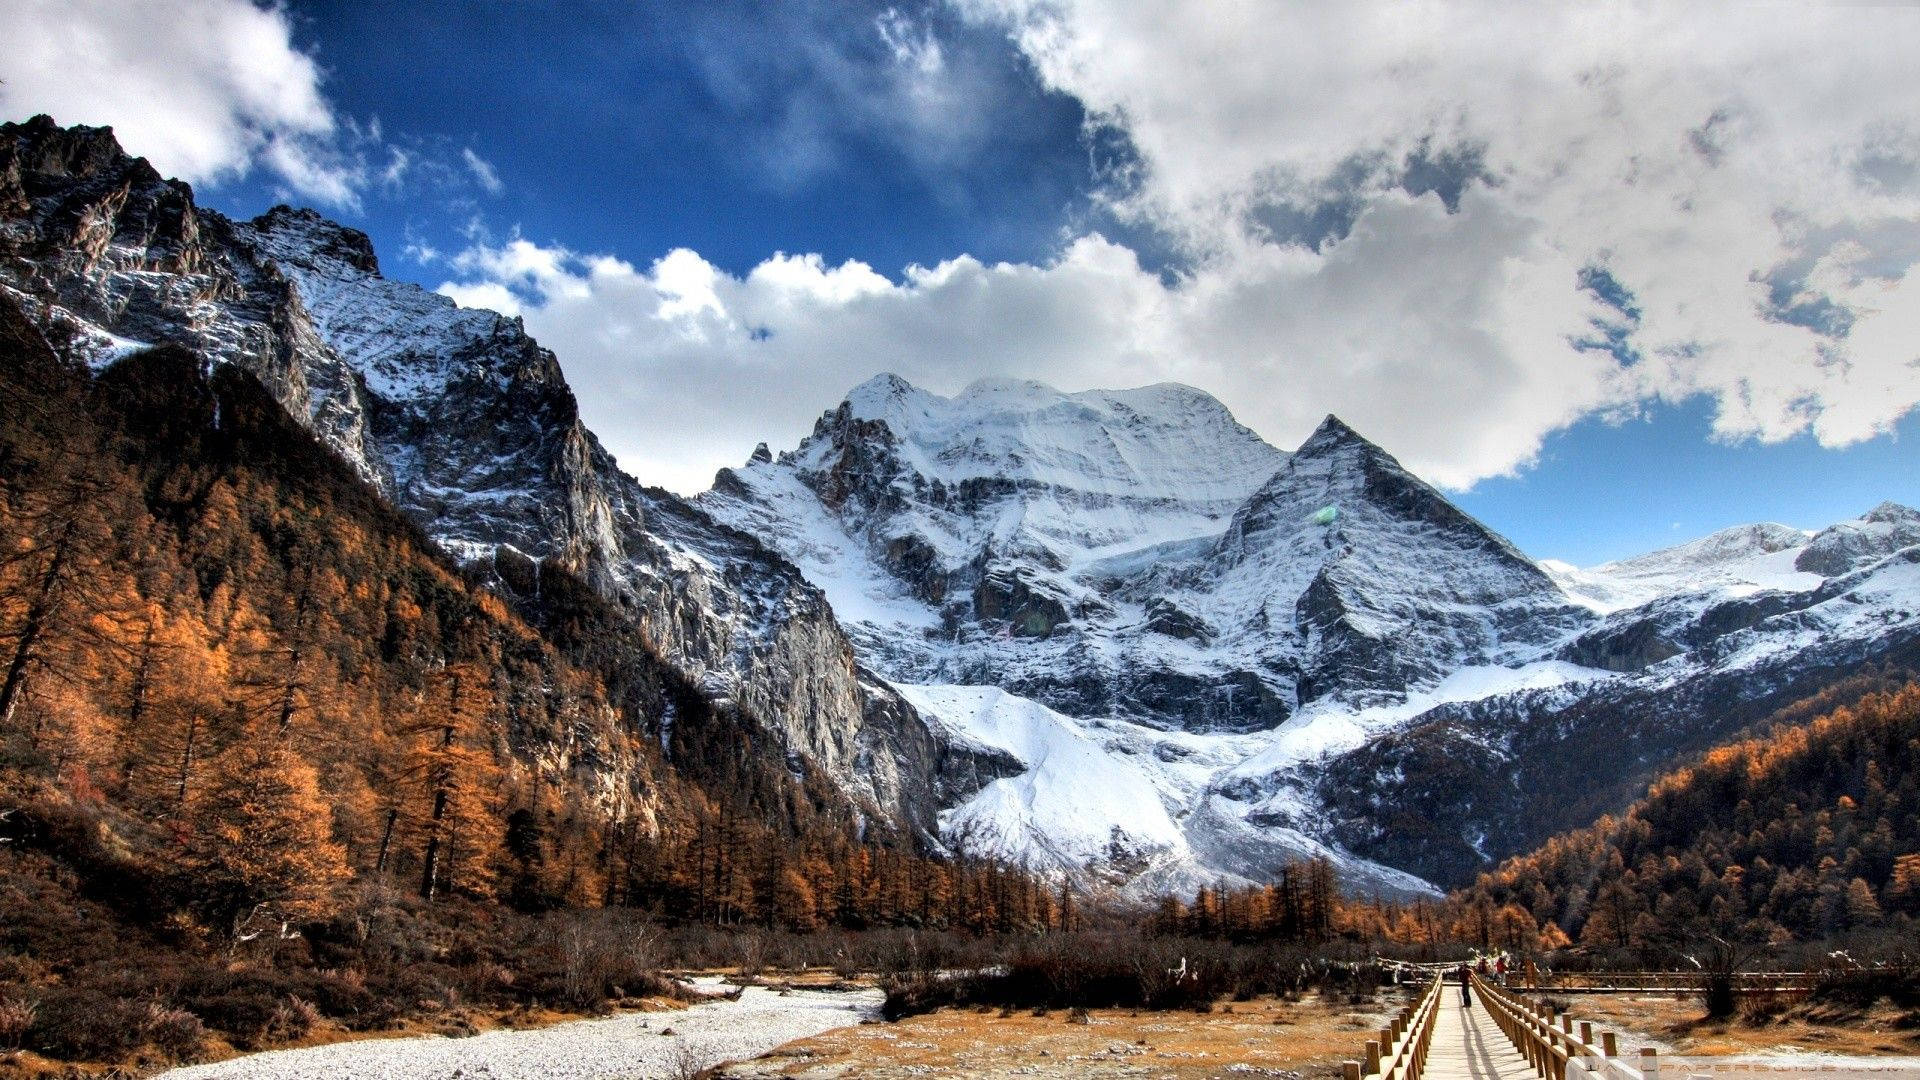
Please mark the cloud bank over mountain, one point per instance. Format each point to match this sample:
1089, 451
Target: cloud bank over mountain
1463, 228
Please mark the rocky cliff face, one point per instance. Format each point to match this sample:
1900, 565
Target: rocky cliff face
458, 416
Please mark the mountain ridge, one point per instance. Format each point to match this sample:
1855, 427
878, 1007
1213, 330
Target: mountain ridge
1342, 605
457, 416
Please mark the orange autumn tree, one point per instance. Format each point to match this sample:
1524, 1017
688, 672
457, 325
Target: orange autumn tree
449, 806
261, 851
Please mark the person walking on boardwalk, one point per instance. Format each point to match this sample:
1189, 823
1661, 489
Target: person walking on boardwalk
1466, 987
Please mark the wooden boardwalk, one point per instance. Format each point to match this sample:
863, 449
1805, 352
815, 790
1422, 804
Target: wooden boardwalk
1468, 1044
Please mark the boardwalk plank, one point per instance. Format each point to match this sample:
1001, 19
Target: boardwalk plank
1468, 1045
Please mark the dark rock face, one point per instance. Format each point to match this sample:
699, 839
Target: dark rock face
1630, 647
1851, 545
913, 560
1163, 617
456, 415
1011, 598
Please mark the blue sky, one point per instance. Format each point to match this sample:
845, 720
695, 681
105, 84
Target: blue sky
635, 129
1396, 214
1604, 491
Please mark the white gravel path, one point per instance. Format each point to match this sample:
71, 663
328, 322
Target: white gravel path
625, 1047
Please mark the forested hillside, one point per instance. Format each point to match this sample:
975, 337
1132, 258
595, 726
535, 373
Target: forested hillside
247, 704
1808, 830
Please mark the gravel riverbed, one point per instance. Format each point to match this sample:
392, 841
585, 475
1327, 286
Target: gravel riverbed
632, 1046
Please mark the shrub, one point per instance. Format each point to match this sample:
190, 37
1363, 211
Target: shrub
86, 1025
176, 1033
292, 1019
16, 1019
1762, 1007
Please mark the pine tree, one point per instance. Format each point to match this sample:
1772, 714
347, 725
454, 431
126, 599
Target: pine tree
261, 850
454, 812
58, 595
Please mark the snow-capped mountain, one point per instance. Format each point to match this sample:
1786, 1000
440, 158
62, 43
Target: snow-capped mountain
1106, 632
1180, 635
456, 415
1155, 594
1136, 554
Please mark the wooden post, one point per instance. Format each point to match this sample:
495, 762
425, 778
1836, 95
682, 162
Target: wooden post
1350, 1071
1373, 1057
1566, 1023
1609, 1044
1649, 1063
1586, 1032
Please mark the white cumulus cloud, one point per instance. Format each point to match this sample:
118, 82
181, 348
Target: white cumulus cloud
1706, 156
206, 89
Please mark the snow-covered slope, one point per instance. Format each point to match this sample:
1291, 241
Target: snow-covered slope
1133, 805
1737, 561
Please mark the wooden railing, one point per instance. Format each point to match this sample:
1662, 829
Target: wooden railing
1678, 982
1550, 1043
1400, 1050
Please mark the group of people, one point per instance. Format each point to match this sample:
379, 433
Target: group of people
1465, 972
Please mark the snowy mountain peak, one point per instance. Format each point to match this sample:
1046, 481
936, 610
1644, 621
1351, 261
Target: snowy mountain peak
991, 387
1735, 561
44, 147
306, 235
1892, 513
1341, 484
878, 397
1165, 441
1332, 434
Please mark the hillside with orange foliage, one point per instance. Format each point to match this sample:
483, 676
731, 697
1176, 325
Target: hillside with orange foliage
1807, 831
252, 721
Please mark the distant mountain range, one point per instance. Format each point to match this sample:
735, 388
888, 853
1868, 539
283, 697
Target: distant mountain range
1112, 633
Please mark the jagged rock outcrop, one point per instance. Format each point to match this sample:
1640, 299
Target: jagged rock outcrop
1849, 545
459, 417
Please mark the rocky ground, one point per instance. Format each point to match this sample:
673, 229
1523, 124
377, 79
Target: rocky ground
630, 1046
